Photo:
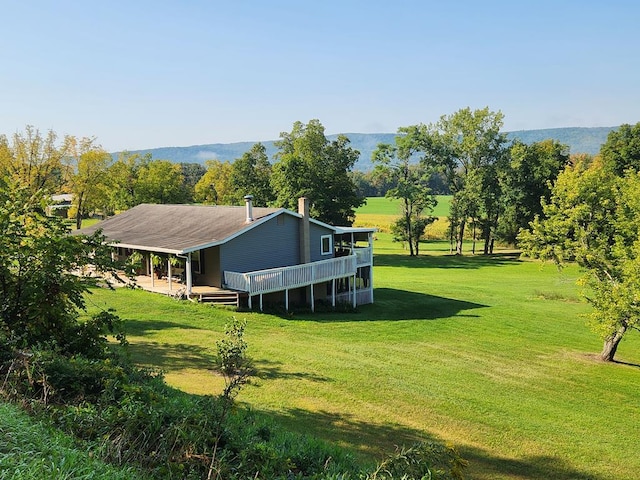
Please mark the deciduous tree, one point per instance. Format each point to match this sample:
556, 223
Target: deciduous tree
411, 180
251, 175
311, 166
470, 144
525, 181
214, 188
593, 218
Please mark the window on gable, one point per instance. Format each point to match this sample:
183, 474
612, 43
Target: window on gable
325, 244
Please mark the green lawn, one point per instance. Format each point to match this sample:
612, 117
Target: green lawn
488, 353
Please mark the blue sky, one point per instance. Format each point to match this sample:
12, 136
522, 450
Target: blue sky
145, 74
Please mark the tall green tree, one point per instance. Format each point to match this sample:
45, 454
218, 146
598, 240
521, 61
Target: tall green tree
593, 218
160, 181
470, 145
214, 187
310, 165
525, 181
191, 174
621, 151
123, 180
411, 180
87, 166
251, 175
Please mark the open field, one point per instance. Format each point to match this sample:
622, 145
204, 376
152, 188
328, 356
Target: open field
487, 353
381, 212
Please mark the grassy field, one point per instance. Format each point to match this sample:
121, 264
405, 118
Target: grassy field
487, 353
381, 212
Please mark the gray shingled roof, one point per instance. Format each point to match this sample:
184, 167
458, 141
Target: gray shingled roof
179, 228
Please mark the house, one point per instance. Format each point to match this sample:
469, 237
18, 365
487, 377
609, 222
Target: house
259, 254
60, 205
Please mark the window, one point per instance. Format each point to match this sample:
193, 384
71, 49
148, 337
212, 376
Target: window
325, 244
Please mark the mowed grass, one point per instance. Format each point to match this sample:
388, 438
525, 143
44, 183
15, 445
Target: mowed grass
490, 354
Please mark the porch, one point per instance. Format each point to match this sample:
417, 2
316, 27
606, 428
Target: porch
201, 293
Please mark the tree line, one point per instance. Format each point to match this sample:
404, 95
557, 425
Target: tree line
307, 164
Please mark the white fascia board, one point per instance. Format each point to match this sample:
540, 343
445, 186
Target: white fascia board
145, 248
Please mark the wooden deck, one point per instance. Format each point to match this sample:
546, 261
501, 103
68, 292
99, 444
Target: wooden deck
200, 293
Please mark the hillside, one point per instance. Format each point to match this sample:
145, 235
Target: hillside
579, 139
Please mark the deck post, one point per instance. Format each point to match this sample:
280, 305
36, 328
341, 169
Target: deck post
313, 307
286, 299
250, 306
260, 302
333, 292
354, 291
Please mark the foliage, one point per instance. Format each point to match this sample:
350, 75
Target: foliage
525, 181
593, 218
30, 449
87, 166
160, 181
43, 274
431, 461
34, 160
471, 148
214, 187
191, 174
621, 151
251, 175
411, 184
311, 166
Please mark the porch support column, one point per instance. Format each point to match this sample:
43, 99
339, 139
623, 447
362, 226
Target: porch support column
169, 274
153, 274
189, 276
250, 305
286, 299
371, 265
260, 302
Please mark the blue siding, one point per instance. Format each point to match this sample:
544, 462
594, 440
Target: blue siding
316, 233
269, 245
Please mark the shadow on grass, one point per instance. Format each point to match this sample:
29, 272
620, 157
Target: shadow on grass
361, 436
142, 327
172, 357
446, 261
371, 441
268, 370
534, 467
391, 304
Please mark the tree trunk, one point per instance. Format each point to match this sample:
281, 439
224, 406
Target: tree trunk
611, 344
460, 238
79, 212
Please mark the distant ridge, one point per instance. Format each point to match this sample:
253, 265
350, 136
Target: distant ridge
579, 140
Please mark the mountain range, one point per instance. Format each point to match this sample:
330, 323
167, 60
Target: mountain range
579, 140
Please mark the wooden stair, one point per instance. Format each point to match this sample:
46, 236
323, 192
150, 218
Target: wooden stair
220, 298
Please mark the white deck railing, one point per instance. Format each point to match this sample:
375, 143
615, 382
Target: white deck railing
277, 279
